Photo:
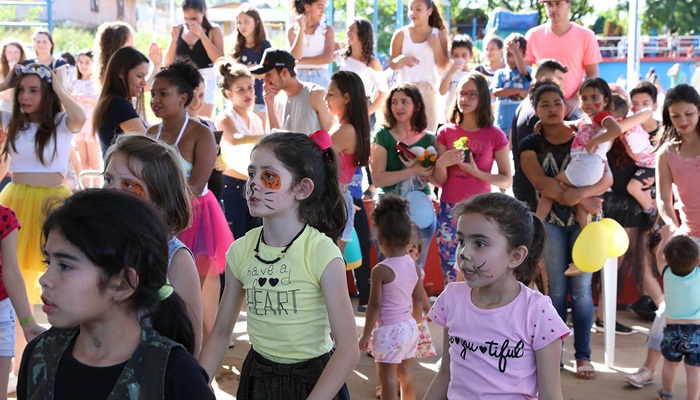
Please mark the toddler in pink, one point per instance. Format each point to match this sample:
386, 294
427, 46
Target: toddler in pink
395, 288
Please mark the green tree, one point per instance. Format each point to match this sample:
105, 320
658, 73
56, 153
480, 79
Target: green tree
34, 14
681, 16
579, 8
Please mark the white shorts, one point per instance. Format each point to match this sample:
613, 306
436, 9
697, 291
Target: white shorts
585, 169
394, 343
7, 329
209, 76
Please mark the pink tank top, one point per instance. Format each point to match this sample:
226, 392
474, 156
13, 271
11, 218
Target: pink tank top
397, 294
685, 173
347, 164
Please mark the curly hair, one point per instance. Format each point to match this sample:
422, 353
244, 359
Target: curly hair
184, 74
391, 221
110, 37
365, 34
419, 120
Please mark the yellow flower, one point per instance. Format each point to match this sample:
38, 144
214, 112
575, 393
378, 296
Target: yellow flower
426, 152
421, 158
432, 158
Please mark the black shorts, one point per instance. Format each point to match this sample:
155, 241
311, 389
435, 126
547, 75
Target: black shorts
643, 173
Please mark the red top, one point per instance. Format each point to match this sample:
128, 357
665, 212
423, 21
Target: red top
8, 223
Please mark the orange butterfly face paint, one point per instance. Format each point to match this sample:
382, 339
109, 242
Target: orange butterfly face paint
270, 180
133, 187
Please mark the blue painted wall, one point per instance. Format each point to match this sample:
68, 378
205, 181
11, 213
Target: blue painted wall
611, 70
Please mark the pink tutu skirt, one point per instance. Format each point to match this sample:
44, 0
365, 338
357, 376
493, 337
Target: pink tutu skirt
209, 236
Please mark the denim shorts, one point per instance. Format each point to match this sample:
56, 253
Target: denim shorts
7, 329
682, 342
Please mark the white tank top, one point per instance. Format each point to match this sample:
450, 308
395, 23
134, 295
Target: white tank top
427, 70
313, 45
371, 78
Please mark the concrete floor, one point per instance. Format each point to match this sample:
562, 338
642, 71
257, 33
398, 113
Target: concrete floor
609, 383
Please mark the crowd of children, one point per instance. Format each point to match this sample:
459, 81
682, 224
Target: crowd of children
142, 289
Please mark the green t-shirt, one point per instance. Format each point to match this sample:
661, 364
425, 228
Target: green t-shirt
393, 162
287, 316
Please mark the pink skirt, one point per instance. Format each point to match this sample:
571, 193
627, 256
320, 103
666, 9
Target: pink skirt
209, 236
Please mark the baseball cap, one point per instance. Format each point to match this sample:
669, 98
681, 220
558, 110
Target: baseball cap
274, 58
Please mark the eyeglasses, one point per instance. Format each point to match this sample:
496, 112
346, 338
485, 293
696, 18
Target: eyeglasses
471, 95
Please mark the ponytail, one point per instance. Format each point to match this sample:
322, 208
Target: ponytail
528, 270
435, 20
170, 319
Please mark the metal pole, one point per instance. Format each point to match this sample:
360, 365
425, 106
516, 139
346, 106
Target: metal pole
633, 53
448, 9
49, 14
375, 23
399, 14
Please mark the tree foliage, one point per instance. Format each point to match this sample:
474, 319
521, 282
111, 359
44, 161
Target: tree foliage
679, 16
579, 8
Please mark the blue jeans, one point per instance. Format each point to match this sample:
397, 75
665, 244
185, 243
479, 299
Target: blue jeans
560, 242
320, 77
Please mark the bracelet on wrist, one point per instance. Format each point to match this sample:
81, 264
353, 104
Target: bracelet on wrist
27, 320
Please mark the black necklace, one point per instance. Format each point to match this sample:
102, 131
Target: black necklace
284, 251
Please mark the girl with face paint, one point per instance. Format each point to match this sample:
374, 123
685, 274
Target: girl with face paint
291, 275
502, 335
148, 169
588, 150
208, 235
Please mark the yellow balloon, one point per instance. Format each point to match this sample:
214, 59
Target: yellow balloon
590, 249
618, 241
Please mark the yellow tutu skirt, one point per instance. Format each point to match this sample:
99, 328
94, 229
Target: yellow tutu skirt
30, 203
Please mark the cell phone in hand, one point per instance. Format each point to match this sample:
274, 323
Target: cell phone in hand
404, 151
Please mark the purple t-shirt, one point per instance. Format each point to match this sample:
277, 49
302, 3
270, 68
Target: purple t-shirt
484, 144
492, 351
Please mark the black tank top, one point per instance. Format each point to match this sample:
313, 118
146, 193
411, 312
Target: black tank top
198, 54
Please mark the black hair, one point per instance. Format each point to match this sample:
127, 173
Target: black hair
68, 57
682, 255
497, 40
516, 223
419, 120
183, 74
462, 41
299, 5
645, 87
682, 93
551, 65
365, 35
86, 53
200, 6
619, 106
355, 112
520, 39
601, 85
391, 222
325, 208
539, 88
118, 231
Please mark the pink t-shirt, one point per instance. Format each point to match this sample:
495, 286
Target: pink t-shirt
589, 128
685, 172
492, 352
483, 143
397, 295
575, 49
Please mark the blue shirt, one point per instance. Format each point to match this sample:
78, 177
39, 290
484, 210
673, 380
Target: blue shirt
248, 58
506, 78
680, 294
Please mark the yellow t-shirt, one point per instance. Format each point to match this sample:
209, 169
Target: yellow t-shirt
287, 316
